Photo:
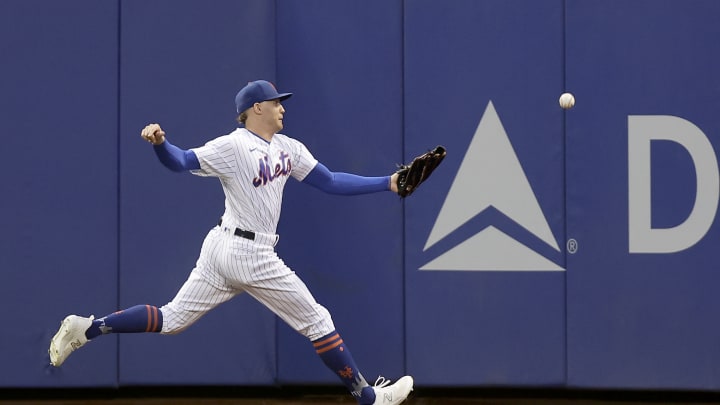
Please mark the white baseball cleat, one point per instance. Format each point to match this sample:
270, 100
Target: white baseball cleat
386, 394
69, 338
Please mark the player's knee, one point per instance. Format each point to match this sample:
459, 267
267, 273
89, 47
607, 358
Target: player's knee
174, 320
321, 327
172, 330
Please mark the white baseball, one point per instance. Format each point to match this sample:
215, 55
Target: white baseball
567, 100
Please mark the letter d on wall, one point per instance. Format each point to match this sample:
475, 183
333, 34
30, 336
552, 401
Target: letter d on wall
642, 129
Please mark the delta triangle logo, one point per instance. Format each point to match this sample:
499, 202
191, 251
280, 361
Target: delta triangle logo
490, 175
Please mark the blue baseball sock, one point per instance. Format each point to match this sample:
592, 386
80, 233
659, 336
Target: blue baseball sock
140, 318
337, 358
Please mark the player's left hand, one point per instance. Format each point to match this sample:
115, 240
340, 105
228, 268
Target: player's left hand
153, 134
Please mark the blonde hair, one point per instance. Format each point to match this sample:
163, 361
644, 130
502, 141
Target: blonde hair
242, 117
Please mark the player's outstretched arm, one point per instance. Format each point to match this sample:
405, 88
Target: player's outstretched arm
171, 156
345, 183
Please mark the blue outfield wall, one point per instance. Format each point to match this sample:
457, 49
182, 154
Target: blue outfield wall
472, 318
551, 249
642, 193
58, 123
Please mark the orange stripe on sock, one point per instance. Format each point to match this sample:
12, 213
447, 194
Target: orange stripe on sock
332, 346
155, 319
149, 318
152, 319
328, 340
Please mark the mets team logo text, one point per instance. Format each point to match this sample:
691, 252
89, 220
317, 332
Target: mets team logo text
267, 172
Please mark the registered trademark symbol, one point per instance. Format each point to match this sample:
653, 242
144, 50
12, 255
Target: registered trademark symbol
572, 246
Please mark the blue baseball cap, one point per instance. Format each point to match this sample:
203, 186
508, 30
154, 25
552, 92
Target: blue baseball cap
257, 92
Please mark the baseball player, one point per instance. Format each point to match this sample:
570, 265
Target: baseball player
253, 163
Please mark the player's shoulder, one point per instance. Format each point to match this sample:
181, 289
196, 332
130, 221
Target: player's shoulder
220, 144
283, 138
286, 140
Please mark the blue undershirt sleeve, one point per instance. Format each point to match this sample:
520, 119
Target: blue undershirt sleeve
344, 183
176, 159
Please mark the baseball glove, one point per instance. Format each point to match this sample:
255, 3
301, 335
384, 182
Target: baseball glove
410, 176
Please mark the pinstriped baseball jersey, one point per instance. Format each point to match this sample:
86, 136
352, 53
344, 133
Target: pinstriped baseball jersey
253, 173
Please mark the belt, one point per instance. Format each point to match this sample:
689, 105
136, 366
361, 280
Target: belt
241, 233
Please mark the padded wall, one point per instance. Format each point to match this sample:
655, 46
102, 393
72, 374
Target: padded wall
642, 315
343, 61
58, 245
551, 249
485, 290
